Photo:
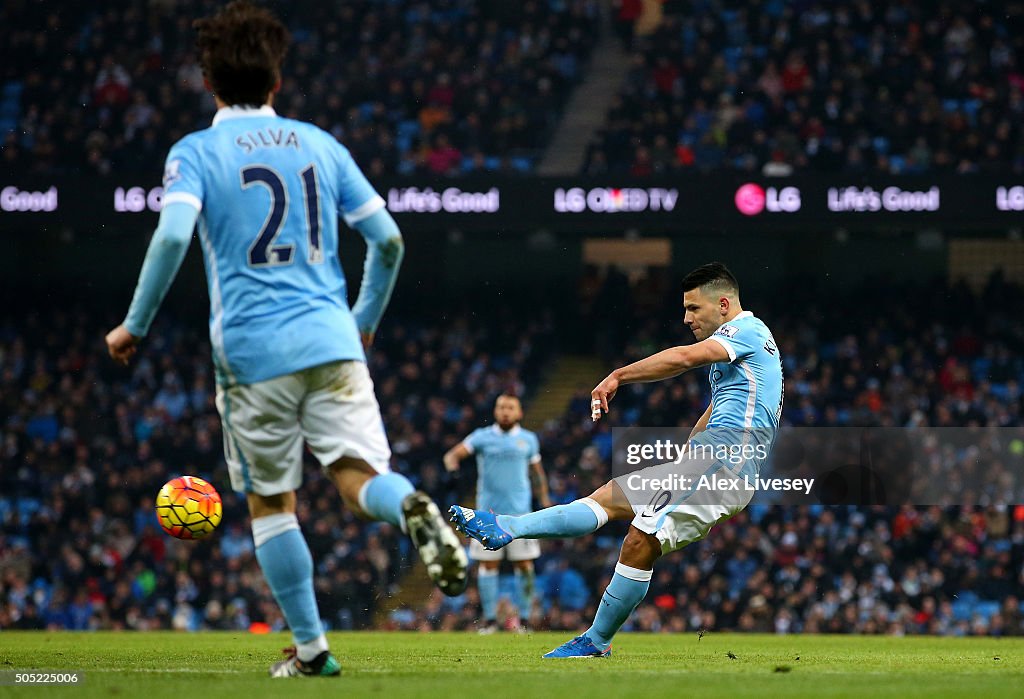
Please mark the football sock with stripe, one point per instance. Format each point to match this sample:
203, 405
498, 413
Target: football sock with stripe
626, 590
381, 497
287, 565
578, 518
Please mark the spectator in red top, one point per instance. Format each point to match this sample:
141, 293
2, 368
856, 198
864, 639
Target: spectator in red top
796, 77
443, 158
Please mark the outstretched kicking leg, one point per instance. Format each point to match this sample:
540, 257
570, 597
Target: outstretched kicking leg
578, 518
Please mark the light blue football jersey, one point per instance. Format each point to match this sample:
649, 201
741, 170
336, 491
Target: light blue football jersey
269, 191
503, 468
747, 391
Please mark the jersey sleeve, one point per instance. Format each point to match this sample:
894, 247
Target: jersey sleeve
534, 449
357, 199
183, 180
739, 341
474, 441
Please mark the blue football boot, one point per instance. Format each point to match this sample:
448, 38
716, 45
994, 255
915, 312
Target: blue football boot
480, 525
579, 647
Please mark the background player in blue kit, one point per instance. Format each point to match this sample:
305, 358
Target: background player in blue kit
509, 474
746, 406
287, 349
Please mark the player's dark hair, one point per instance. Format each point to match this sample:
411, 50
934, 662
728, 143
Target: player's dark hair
714, 276
240, 51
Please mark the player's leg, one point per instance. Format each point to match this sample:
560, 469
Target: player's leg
522, 553
487, 584
578, 518
626, 590
263, 448
341, 423
665, 521
369, 493
287, 565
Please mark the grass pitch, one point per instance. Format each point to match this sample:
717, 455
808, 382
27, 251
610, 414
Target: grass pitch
467, 666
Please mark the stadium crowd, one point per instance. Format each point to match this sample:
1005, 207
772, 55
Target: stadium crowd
86, 444
852, 86
439, 88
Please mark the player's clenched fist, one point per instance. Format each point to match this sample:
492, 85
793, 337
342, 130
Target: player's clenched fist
121, 344
601, 395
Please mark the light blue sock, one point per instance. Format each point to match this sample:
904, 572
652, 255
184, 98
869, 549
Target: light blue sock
381, 497
626, 590
524, 592
487, 582
561, 521
288, 567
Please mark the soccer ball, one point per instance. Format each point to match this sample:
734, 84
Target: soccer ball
188, 508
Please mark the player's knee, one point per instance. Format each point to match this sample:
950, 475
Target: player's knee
614, 501
266, 505
640, 549
523, 566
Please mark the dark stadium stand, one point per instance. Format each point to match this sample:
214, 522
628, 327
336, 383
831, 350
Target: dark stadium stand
777, 87
410, 87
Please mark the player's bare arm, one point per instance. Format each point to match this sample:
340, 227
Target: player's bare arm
453, 456
663, 365
539, 483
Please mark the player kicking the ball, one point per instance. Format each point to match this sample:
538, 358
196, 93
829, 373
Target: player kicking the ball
287, 350
746, 405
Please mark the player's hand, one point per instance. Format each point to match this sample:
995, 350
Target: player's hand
367, 339
121, 344
546, 503
602, 395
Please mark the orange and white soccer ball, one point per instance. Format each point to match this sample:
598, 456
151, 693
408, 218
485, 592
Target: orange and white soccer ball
188, 508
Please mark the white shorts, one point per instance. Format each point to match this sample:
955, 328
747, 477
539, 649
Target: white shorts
518, 550
680, 516
330, 407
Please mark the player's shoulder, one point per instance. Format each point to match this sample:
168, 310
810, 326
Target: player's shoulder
746, 322
529, 434
479, 433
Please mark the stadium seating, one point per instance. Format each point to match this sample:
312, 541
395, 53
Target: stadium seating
382, 76
777, 87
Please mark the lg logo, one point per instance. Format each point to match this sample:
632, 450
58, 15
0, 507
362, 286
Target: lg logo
751, 199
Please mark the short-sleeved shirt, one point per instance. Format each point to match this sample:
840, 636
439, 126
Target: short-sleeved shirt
269, 191
747, 391
503, 466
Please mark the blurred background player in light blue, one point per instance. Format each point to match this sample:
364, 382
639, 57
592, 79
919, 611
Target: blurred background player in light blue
509, 475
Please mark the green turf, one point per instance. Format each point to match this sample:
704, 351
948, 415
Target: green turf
467, 666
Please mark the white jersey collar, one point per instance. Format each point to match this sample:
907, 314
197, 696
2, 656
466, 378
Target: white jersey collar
241, 112
512, 432
741, 314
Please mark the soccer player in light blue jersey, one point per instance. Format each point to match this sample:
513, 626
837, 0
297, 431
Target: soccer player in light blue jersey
509, 474
287, 349
743, 418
